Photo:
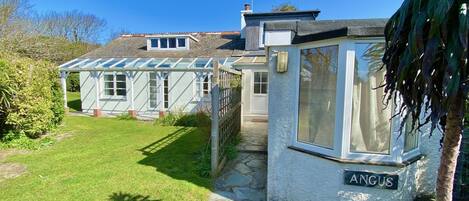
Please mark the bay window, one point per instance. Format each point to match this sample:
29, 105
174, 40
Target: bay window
340, 114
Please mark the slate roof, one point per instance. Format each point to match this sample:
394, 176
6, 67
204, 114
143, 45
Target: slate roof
305, 31
210, 44
313, 13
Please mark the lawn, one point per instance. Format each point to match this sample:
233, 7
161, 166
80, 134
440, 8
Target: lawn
74, 102
111, 159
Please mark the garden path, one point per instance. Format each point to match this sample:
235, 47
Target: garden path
245, 178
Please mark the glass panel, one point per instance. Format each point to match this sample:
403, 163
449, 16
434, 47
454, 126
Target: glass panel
257, 88
154, 43
120, 92
108, 78
411, 137
109, 92
172, 42
120, 85
109, 64
257, 76
264, 88
108, 85
201, 62
371, 126
164, 42
264, 76
153, 63
184, 63
120, 78
181, 42
318, 80
153, 90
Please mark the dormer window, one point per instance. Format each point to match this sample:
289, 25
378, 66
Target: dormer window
168, 43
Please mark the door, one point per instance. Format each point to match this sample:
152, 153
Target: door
259, 92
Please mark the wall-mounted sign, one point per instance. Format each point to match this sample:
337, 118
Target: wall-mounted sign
369, 179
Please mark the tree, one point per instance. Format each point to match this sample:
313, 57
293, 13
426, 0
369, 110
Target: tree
285, 7
426, 66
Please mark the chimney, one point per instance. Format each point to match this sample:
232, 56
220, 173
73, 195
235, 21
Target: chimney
247, 9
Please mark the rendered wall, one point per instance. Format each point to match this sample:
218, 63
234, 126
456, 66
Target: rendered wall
181, 95
297, 176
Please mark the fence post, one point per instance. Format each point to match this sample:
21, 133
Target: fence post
214, 135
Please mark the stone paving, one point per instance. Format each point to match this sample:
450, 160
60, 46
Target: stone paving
245, 178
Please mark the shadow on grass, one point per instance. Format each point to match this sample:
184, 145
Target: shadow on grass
176, 155
129, 197
74, 105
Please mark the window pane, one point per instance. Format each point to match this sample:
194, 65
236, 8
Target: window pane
108, 85
172, 42
264, 76
108, 78
120, 92
257, 88
411, 137
371, 126
120, 78
181, 42
120, 85
109, 92
318, 78
257, 76
164, 42
264, 88
154, 42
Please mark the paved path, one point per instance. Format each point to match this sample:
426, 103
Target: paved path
245, 178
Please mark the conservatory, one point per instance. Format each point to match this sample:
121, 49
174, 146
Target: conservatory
144, 86
328, 123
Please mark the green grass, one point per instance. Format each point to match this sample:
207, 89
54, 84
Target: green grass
74, 101
111, 159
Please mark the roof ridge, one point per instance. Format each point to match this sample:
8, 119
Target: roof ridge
175, 33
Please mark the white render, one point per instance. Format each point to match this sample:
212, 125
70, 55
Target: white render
298, 176
278, 38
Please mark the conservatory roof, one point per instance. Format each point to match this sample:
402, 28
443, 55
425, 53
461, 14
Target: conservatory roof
146, 64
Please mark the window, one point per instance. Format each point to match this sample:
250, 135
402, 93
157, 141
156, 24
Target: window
154, 43
202, 85
172, 42
260, 82
164, 42
181, 42
317, 98
411, 137
153, 90
340, 111
165, 90
371, 126
168, 43
114, 85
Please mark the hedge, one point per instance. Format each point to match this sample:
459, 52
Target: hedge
36, 104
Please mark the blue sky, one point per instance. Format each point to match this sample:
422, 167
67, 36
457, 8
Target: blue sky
149, 16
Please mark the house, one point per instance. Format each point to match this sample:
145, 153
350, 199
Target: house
330, 136
148, 75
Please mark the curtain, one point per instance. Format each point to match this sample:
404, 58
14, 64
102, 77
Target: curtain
371, 125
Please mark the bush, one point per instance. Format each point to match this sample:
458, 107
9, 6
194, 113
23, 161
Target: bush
73, 82
21, 141
125, 116
36, 103
199, 119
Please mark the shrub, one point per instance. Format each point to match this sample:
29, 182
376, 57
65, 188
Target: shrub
36, 104
21, 141
199, 119
73, 82
125, 116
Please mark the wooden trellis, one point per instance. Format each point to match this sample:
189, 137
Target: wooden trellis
226, 112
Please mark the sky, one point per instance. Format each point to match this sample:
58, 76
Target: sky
152, 16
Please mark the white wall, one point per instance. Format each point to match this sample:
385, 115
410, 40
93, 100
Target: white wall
297, 176
181, 95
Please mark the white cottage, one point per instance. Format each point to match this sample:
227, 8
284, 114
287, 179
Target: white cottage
330, 136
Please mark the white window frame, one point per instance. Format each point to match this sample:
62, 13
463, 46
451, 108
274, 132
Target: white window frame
158, 93
164, 76
168, 48
198, 87
261, 82
343, 121
114, 77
